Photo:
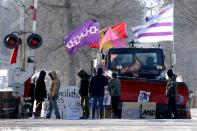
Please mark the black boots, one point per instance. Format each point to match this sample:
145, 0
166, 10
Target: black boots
85, 116
101, 114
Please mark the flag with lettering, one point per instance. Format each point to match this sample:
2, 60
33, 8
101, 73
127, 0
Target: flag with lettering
86, 33
158, 27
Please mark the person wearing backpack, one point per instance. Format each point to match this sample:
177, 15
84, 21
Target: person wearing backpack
114, 88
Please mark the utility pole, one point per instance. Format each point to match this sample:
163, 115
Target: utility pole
34, 17
21, 59
23, 67
22, 55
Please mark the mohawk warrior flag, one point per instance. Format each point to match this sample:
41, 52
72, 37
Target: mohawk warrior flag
110, 39
85, 34
118, 29
158, 27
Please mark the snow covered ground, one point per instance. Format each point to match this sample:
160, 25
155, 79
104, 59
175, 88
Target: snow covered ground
101, 125
194, 113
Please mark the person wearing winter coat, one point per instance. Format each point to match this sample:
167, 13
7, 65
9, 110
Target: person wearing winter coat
40, 93
53, 95
97, 89
114, 88
171, 92
32, 98
83, 91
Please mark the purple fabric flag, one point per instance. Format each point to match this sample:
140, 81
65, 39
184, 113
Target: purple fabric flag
86, 33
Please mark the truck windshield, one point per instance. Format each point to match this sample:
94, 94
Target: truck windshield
137, 58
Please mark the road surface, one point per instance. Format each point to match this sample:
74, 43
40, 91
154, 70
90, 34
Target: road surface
101, 125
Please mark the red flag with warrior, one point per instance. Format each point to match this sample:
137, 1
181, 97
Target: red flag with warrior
119, 29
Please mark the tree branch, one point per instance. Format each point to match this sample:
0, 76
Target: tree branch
188, 14
53, 6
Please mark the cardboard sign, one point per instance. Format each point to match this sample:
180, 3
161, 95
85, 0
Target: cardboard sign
73, 112
143, 96
136, 110
148, 110
68, 103
130, 110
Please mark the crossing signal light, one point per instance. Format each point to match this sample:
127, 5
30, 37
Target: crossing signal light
34, 41
11, 41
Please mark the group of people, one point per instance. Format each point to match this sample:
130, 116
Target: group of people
40, 93
95, 88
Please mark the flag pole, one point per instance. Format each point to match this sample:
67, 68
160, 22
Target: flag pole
173, 43
173, 26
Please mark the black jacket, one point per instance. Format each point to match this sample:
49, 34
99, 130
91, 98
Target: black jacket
40, 90
97, 85
32, 91
84, 87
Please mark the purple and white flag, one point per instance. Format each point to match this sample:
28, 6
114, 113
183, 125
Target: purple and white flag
86, 33
158, 27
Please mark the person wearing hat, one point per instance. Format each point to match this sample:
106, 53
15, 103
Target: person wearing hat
171, 92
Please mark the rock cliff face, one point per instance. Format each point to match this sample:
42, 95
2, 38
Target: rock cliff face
58, 17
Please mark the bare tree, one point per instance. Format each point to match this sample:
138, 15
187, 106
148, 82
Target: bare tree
63, 16
57, 18
185, 40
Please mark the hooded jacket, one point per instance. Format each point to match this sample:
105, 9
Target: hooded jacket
40, 89
55, 84
84, 83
